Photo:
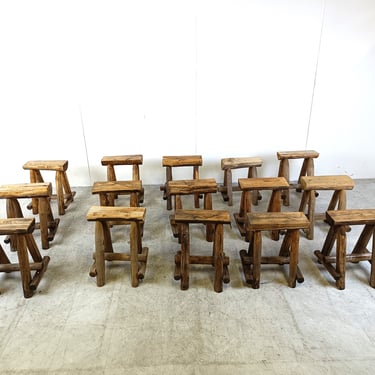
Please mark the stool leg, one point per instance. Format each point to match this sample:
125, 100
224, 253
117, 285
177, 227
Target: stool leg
275, 206
134, 236
284, 172
210, 228
218, 256
59, 193
185, 256
256, 196
293, 263
224, 192
229, 187
372, 275
341, 258
196, 177
100, 228
168, 172
257, 255
24, 265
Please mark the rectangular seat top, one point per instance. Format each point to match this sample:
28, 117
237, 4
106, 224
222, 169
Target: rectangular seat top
47, 165
202, 216
194, 186
122, 160
338, 182
277, 220
351, 217
182, 161
26, 190
241, 162
16, 226
131, 186
116, 213
297, 154
263, 183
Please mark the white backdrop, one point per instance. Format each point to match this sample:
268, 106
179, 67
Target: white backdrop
84, 79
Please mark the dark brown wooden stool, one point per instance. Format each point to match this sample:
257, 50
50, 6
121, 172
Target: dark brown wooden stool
292, 223
307, 168
103, 216
310, 184
170, 162
227, 164
41, 191
339, 220
248, 185
218, 260
22, 230
179, 188
64, 194
133, 160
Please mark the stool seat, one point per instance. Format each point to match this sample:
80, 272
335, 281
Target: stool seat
307, 168
292, 223
338, 221
218, 260
41, 191
22, 229
275, 184
310, 184
227, 164
103, 216
170, 162
116, 160
64, 194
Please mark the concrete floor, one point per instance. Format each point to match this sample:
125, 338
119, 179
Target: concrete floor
72, 326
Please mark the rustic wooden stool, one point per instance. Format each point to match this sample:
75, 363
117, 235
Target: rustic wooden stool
338, 221
22, 230
170, 162
103, 215
134, 160
41, 191
310, 184
247, 185
227, 165
307, 168
64, 194
252, 259
205, 187
218, 260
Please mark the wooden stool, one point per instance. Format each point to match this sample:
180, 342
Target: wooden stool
338, 221
204, 187
307, 168
170, 162
227, 165
247, 185
41, 191
134, 160
103, 215
252, 259
64, 194
310, 184
218, 260
22, 230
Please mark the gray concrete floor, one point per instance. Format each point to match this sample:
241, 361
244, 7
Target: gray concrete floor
72, 326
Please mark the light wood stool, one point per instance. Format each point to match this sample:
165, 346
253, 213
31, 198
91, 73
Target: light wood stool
41, 191
22, 230
179, 188
247, 185
134, 160
64, 194
103, 216
170, 162
227, 164
218, 260
339, 220
310, 184
307, 168
252, 259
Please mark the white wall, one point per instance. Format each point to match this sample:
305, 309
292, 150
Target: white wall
83, 79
